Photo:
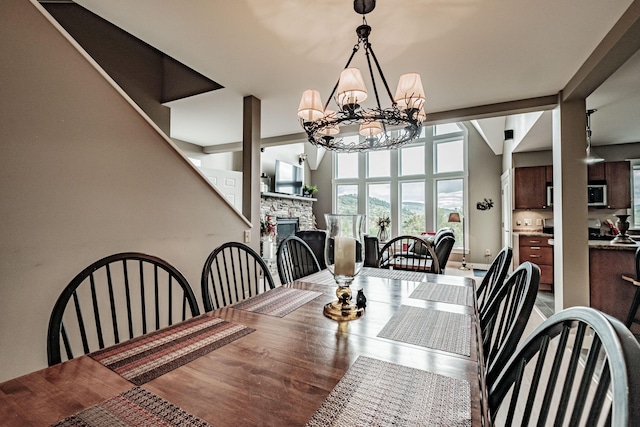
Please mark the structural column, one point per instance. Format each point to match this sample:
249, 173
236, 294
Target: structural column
251, 165
570, 211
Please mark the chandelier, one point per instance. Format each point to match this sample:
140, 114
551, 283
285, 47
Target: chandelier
381, 128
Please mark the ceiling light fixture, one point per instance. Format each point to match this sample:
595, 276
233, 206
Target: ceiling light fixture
591, 158
382, 128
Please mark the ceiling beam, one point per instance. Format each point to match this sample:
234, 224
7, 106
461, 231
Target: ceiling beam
529, 105
620, 44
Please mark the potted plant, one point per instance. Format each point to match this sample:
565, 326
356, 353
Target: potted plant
309, 190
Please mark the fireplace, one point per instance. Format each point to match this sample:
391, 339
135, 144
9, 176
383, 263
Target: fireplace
285, 227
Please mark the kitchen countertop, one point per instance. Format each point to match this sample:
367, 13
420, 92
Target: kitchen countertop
607, 245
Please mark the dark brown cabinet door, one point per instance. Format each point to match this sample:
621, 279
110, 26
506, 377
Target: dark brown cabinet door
595, 172
618, 177
530, 184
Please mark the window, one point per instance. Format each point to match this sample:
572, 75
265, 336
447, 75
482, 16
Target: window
347, 196
378, 205
412, 207
449, 194
417, 185
412, 160
347, 165
449, 156
378, 164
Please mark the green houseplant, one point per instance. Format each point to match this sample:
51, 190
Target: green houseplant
309, 190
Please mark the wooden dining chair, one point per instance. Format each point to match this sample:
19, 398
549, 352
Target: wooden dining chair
232, 273
506, 317
409, 253
295, 259
114, 299
494, 278
579, 367
635, 302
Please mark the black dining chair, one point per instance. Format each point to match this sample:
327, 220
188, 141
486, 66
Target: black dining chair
232, 273
114, 299
295, 259
579, 367
635, 302
494, 278
316, 239
443, 249
409, 253
371, 251
506, 317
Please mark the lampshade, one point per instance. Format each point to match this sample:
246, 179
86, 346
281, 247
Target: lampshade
351, 88
370, 129
410, 93
454, 217
310, 108
330, 116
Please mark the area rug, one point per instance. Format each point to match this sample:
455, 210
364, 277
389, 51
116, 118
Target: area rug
440, 330
378, 393
277, 302
462, 295
145, 358
136, 407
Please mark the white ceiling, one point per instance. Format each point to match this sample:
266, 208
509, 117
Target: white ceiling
469, 53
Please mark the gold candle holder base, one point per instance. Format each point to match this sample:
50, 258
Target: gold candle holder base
336, 310
342, 309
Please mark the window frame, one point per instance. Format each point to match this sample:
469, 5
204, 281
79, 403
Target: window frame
429, 140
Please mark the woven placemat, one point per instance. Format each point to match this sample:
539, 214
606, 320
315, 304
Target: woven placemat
414, 276
136, 407
378, 393
322, 277
443, 293
435, 329
145, 358
277, 302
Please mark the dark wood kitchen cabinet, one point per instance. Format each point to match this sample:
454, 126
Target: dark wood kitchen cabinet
595, 173
618, 178
537, 250
530, 186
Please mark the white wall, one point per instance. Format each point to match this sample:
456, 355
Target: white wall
82, 175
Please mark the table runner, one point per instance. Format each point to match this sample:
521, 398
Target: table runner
425, 327
415, 276
277, 302
135, 407
443, 293
378, 393
145, 358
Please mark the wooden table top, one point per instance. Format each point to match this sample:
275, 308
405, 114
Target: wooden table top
277, 375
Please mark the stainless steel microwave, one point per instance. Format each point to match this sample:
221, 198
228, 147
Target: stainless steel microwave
596, 195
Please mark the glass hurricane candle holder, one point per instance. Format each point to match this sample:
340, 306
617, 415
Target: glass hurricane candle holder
344, 256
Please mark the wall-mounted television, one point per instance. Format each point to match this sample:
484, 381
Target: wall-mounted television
289, 178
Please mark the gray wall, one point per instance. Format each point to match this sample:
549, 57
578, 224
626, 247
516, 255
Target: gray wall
82, 175
485, 227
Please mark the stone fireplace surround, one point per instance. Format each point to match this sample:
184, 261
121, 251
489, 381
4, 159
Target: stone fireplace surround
288, 206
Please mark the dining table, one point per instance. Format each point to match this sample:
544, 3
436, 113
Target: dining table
275, 360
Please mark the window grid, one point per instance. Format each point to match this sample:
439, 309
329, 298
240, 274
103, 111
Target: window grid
429, 142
